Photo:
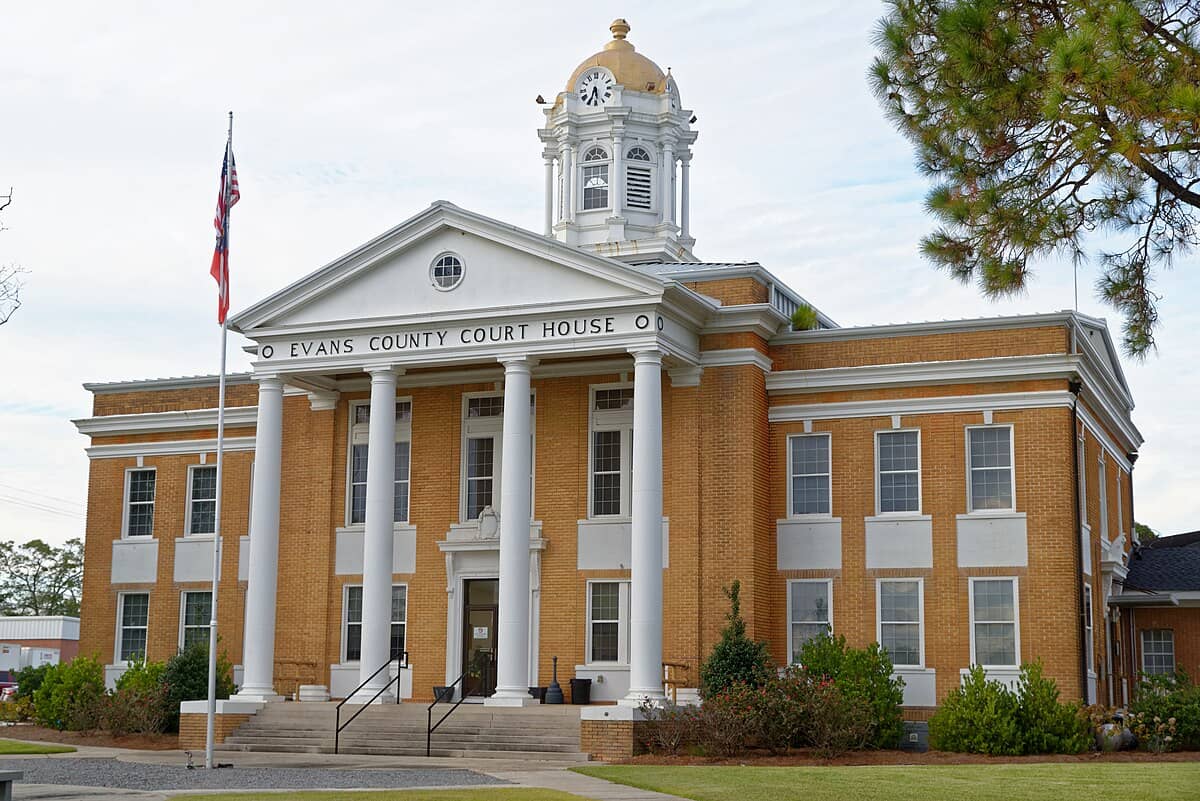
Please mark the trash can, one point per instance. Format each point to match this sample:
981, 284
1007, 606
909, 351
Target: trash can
581, 691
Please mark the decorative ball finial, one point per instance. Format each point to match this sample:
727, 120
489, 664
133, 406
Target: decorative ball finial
619, 28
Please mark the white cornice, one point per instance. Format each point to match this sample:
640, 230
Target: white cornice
917, 329
1114, 451
156, 422
759, 318
1051, 365
903, 406
735, 356
176, 448
181, 382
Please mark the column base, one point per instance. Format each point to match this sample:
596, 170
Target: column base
636, 698
265, 695
510, 698
365, 695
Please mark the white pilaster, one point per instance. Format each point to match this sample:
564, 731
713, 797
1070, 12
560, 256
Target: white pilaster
377, 539
668, 183
618, 176
516, 462
646, 580
258, 646
549, 222
568, 171
684, 196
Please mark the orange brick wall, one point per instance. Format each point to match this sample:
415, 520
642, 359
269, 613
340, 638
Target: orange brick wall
732, 291
193, 729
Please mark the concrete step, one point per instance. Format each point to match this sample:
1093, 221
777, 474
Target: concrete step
563, 757
411, 743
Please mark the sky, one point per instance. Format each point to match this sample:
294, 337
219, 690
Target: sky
351, 117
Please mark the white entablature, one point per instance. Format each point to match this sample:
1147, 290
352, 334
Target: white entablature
617, 134
452, 287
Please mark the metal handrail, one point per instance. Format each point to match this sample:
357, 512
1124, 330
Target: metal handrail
430, 726
401, 662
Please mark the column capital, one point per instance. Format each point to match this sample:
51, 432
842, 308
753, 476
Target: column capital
383, 372
517, 363
647, 356
269, 381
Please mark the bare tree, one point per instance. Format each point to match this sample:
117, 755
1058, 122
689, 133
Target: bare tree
10, 275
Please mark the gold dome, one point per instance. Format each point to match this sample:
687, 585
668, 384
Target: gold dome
630, 68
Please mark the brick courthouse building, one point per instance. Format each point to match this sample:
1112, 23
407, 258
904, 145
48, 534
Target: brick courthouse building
578, 436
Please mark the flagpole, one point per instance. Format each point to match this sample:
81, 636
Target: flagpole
216, 565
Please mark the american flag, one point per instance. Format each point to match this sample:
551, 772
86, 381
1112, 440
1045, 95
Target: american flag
226, 198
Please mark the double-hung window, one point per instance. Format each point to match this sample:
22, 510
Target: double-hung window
139, 502
595, 179
809, 475
359, 441
995, 638
196, 609
611, 451
202, 499
990, 468
133, 617
1158, 652
608, 622
352, 622
1102, 493
482, 431
810, 612
901, 628
1088, 635
898, 465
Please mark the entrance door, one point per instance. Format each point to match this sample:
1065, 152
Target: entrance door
481, 599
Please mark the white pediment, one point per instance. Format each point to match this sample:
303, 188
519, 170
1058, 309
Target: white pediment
389, 278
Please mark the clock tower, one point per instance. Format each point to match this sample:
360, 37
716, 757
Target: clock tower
617, 146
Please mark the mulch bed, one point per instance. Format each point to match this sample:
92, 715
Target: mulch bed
141, 742
802, 757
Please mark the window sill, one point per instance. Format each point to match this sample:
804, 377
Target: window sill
899, 517
362, 527
812, 519
618, 666
998, 514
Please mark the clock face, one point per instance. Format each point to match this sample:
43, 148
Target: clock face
595, 88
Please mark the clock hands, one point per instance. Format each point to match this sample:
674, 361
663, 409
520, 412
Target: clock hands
595, 98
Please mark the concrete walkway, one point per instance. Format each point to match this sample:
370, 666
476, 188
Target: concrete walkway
523, 772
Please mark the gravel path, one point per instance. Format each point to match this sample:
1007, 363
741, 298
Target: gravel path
135, 776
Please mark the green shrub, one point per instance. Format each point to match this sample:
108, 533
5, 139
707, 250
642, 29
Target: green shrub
1048, 726
837, 722
804, 318
864, 675
29, 679
186, 679
979, 717
137, 709
729, 720
735, 659
141, 675
71, 695
1167, 698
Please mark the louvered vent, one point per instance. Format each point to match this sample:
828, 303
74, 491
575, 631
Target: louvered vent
637, 186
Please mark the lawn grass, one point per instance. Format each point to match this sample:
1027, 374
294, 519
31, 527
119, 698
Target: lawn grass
498, 793
1147, 781
12, 747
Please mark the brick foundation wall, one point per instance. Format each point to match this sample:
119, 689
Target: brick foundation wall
613, 740
193, 729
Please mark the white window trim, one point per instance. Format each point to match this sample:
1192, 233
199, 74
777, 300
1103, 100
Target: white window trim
1016, 585
125, 535
829, 593
920, 616
1089, 628
651, 167
623, 627
1102, 497
187, 513
345, 621
117, 660
790, 476
1142, 647
481, 428
611, 420
403, 434
1012, 468
920, 485
182, 612
1081, 460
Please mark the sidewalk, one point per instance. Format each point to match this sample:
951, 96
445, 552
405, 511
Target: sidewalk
523, 773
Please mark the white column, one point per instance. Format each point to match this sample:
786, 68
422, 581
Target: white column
617, 184
549, 226
668, 181
646, 580
516, 461
568, 210
684, 198
377, 539
258, 646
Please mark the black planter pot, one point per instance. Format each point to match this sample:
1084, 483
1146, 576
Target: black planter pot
442, 693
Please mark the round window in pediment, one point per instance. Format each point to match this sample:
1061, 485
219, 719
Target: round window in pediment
446, 272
